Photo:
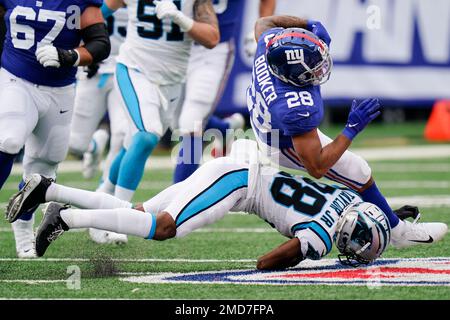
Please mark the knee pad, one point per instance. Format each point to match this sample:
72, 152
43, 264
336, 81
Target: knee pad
146, 141
11, 145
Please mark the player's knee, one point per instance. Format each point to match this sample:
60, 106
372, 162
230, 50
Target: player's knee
165, 227
145, 140
11, 145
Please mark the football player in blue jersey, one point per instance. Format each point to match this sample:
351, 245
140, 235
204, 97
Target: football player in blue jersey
41, 52
207, 77
291, 62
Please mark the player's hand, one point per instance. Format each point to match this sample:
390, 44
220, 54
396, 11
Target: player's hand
319, 30
167, 9
50, 56
360, 116
91, 70
250, 44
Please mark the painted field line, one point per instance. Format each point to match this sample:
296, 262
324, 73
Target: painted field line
130, 260
92, 185
410, 167
31, 281
414, 184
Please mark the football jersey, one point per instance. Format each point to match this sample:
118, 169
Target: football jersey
157, 48
33, 23
278, 110
298, 207
117, 29
228, 12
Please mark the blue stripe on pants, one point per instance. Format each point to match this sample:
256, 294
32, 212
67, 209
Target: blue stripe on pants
129, 95
216, 192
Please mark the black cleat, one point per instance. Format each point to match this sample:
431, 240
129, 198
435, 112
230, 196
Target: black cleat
408, 212
51, 227
28, 198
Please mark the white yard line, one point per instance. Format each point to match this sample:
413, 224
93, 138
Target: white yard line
410, 167
130, 260
389, 153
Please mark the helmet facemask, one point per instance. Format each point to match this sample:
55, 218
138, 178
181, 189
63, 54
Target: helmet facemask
362, 234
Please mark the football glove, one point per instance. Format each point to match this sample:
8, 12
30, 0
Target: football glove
360, 116
91, 70
167, 9
319, 30
50, 56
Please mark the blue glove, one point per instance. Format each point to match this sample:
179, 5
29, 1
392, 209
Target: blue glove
360, 116
319, 30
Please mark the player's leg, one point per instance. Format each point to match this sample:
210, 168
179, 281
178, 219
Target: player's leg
208, 72
89, 109
147, 107
213, 191
18, 117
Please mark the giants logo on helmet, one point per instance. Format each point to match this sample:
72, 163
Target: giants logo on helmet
294, 56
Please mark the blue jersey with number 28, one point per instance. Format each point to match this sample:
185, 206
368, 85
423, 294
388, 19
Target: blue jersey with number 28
34, 23
278, 110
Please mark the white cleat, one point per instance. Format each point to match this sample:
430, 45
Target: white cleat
24, 236
107, 237
235, 121
91, 160
408, 234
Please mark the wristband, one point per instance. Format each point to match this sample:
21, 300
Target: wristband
106, 11
349, 133
183, 21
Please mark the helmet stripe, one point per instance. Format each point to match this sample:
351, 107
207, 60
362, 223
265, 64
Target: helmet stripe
296, 35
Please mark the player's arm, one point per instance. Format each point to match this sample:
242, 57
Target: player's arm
204, 28
287, 255
96, 45
318, 159
267, 7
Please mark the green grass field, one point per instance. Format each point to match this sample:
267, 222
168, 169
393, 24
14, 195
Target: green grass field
102, 265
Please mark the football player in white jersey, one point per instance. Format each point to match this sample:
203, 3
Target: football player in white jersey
94, 96
311, 214
150, 72
207, 77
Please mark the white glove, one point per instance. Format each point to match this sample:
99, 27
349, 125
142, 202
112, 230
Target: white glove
167, 9
250, 44
48, 56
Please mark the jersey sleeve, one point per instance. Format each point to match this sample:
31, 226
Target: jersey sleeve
312, 245
89, 3
298, 111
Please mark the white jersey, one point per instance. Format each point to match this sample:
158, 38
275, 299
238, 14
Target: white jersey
157, 48
297, 206
117, 28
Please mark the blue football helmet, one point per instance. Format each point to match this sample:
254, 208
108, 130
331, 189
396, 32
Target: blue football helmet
299, 57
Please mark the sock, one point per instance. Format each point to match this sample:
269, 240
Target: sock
99, 140
115, 167
123, 193
188, 158
133, 163
122, 220
6, 164
83, 199
106, 187
217, 123
373, 195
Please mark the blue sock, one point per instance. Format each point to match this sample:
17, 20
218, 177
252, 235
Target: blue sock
6, 163
373, 195
27, 215
133, 163
217, 123
115, 166
188, 158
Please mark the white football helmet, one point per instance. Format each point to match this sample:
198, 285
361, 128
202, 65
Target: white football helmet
362, 234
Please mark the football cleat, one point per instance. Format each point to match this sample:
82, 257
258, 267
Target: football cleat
235, 121
51, 227
408, 212
107, 237
24, 236
92, 159
28, 198
408, 234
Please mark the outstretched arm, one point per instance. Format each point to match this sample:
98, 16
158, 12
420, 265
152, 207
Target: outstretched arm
267, 7
265, 23
286, 255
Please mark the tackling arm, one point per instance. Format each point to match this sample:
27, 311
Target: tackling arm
265, 23
286, 255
